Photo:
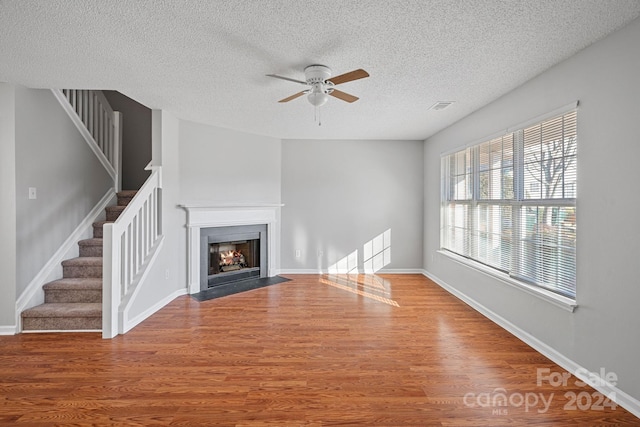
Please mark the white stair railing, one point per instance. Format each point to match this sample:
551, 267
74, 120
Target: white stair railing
128, 245
100, 126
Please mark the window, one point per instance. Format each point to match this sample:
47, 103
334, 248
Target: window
510, 204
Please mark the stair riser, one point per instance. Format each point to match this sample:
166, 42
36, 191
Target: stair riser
69, 295
112, 215
60, 323
124, 201
81, 271
93, 251
97, 231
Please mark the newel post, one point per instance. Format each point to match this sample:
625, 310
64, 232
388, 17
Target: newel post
110, 288
117, 148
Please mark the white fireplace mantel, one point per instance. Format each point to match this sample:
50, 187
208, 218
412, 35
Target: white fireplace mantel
204, 215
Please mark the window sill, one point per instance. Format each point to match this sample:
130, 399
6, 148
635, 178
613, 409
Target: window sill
555, 299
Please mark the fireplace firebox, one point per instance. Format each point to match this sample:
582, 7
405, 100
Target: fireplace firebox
226, 257
233, 253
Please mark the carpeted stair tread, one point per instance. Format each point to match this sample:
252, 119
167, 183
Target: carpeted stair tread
101, 223
83, 261
90, 247
74, 309
95, 241
75, 283
83, 266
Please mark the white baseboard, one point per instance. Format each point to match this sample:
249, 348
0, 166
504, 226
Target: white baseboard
59, 331
400, 271
9, 330
33, 294
132, 323
300, 271
620, 397
383, 271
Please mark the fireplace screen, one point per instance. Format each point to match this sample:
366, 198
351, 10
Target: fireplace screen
227, 257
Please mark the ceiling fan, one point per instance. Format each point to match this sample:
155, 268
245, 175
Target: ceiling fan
320, 84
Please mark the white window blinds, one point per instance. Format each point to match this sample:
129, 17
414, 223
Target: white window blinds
510, 203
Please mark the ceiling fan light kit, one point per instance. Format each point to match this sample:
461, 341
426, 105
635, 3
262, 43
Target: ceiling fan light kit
317, 98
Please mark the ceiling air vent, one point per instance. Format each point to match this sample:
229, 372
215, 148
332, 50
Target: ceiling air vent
440, 105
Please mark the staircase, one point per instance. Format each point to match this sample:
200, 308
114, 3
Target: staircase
75, 301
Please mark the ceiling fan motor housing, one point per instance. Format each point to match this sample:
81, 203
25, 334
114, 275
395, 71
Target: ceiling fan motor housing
317, 74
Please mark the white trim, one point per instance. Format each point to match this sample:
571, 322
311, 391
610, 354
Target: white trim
68, 108
205, 206
56, 331
301, 271
46, 273
620, 397
117, 145
398, 271
540, 118
9, 330
125, 305
153, 309
326, 271
553, 298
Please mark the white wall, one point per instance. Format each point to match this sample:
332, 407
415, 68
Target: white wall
8, 211
339, 195
52, 156
225, 166
603, 332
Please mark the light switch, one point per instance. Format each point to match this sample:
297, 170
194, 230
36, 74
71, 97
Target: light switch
32, 193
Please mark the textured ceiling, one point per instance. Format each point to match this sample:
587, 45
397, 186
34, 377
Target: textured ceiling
206, 60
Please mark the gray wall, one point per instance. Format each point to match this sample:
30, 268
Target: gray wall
53, 157
339, 195
224, 166
136, 138
603, 332
8, 211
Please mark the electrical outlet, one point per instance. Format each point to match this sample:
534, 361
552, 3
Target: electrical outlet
297, 253
320, 253
166, 274
32, 193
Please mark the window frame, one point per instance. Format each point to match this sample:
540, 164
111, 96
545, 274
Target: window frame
471, 228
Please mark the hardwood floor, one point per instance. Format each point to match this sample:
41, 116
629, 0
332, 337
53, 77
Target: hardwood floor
393, 350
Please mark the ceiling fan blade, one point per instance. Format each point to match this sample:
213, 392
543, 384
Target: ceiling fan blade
287, 78
297, 95
348, 77
343, 95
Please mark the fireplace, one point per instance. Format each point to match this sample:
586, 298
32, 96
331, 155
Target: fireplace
230, 254
203, 217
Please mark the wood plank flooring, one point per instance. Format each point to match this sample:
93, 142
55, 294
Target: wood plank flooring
393, 350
